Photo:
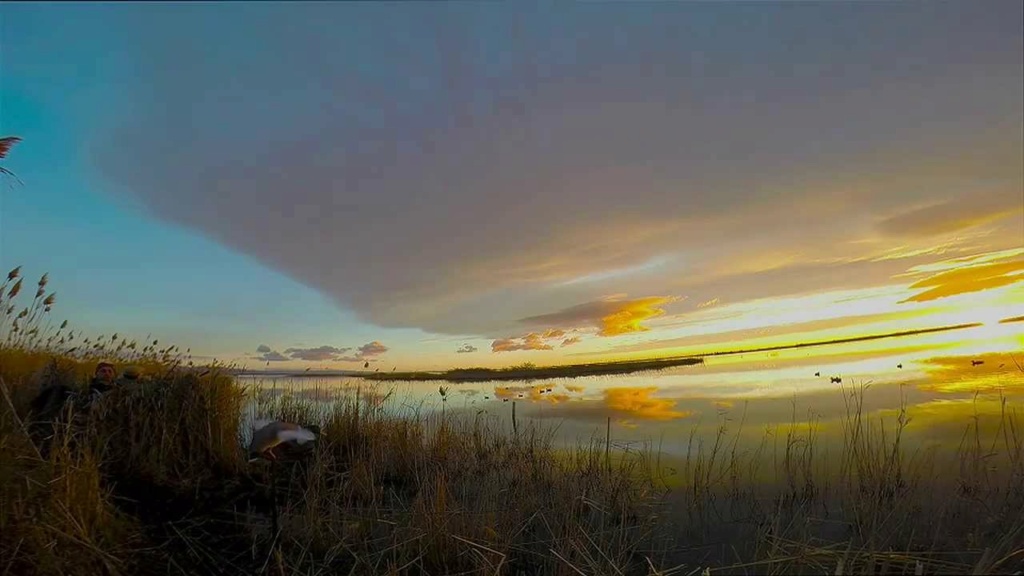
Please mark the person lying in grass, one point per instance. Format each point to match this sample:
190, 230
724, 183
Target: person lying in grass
103, 380
47, 407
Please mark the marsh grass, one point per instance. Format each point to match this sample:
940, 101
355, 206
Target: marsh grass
154, 480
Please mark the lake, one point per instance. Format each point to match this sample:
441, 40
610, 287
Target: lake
945, 380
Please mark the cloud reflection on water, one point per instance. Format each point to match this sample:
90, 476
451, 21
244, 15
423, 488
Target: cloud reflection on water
771, 391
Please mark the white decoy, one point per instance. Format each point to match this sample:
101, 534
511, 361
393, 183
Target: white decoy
270, 435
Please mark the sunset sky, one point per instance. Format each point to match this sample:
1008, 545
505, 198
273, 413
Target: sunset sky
473, 184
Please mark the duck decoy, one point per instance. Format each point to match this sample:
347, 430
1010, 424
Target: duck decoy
837, 379
268, 439
817, 374
366, 364
977, 362
900, 366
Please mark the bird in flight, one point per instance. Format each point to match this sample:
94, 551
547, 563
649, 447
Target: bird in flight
5, 146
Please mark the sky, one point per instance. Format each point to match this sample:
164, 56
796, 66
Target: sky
426, 186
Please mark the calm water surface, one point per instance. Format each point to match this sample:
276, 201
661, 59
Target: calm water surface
939, 382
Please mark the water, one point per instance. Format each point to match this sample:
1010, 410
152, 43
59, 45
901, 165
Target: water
749, 393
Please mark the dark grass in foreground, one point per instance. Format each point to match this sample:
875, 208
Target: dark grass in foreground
155, 482
527, 372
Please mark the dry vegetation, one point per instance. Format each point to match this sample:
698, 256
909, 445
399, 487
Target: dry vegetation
153, 481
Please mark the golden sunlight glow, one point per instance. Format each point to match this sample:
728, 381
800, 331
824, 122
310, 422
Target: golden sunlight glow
979, 289
997, 372
974, 278
638, 403
954, 263
629, 318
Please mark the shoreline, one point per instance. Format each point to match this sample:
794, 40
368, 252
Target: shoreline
578, 370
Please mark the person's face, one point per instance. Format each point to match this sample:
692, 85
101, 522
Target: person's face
105, 373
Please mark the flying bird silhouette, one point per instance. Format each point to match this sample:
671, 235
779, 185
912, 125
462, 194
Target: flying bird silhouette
900, 366
5, 146
817, 374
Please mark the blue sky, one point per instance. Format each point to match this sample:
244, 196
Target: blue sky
116, 268
230, 175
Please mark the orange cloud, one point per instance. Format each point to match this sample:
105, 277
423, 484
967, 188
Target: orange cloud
638, 403
968, 279
612, 315
629, 318
374, 348
533, 341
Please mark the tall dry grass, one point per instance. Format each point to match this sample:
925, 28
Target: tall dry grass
864, 501
154, 480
